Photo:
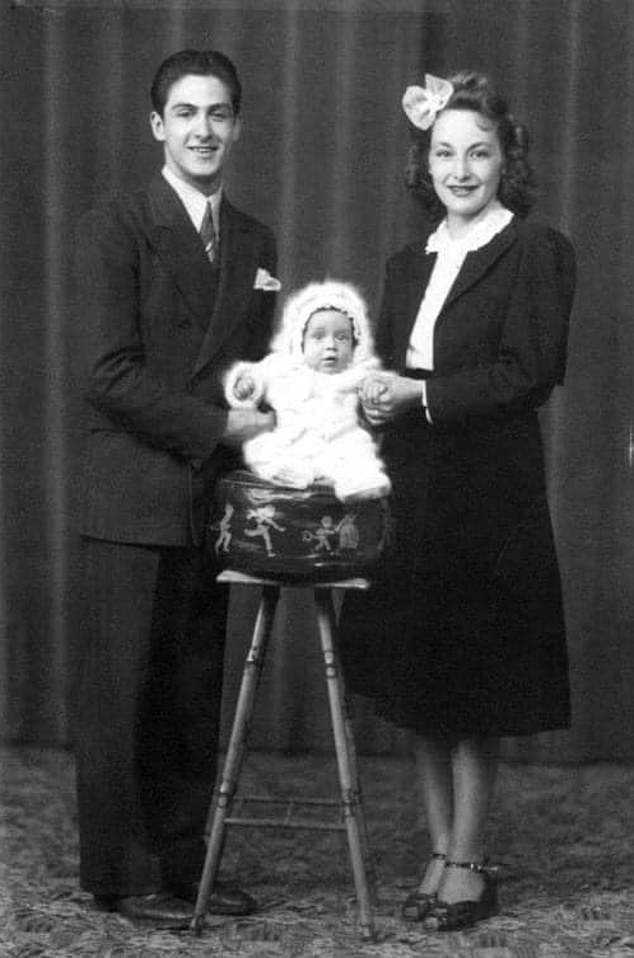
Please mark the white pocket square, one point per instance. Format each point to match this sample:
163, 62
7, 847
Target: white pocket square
264, 280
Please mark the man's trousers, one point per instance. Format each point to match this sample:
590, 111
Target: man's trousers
148, 714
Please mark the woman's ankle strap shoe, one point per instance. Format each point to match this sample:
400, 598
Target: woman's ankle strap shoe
419, 904
453, 916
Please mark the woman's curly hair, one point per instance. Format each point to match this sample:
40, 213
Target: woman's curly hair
473, 91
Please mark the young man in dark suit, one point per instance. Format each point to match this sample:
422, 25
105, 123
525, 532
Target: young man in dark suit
174, 285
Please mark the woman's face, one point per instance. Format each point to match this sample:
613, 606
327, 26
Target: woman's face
465, 163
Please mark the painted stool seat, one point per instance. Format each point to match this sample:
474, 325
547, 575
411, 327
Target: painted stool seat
273, 531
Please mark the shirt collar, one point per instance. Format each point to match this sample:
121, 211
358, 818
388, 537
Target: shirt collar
495, 218
194, 201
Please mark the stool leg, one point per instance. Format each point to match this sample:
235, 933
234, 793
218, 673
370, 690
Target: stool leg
356, 779
353, 812
236, 748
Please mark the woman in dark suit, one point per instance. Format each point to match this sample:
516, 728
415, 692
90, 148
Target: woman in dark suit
462, 636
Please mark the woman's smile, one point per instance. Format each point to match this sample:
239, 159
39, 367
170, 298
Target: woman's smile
463, 190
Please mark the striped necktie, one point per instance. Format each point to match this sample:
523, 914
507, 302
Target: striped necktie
208, 234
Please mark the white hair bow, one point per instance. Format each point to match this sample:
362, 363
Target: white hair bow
421, 104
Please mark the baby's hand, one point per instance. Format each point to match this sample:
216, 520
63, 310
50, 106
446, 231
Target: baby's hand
244, 386
374, 390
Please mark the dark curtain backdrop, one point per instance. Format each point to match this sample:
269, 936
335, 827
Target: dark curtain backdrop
320, 160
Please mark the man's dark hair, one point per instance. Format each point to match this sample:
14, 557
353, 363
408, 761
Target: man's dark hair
199, 63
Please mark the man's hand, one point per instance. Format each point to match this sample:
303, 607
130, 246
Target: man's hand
243, 424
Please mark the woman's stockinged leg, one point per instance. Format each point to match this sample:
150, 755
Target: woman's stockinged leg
474, 763
435, 788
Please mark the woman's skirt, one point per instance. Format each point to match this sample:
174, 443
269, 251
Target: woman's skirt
463, 629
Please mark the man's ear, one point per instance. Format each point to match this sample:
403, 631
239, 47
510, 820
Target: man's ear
157, 125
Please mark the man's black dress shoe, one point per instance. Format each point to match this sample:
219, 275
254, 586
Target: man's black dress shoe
224, 899
160, 908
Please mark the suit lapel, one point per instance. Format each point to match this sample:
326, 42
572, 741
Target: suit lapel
478, 262
474, 267
179, 247
238, 267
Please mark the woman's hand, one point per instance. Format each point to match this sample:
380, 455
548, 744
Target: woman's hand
386, 395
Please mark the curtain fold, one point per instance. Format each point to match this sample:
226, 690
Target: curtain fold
321, 161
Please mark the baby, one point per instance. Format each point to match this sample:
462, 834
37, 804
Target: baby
311, 379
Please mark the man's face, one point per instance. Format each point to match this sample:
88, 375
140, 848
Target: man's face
198, 129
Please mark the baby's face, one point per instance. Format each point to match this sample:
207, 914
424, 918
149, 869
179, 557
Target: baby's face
328, 341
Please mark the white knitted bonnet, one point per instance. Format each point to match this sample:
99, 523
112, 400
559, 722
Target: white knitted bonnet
329, 294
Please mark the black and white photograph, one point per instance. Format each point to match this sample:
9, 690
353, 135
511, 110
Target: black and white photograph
317, 479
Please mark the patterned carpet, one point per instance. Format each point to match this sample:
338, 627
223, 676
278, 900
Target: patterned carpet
562, 838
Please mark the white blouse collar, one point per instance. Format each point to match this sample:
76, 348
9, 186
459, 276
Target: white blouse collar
481, 233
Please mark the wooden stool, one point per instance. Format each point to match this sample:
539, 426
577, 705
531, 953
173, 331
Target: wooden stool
351, 801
